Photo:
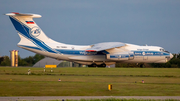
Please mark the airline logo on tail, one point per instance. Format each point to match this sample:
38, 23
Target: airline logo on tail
35, 31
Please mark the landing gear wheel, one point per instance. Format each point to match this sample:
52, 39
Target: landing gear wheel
103, 65
89, 66
92, 65
142, 65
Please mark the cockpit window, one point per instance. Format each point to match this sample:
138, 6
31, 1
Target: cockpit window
163, 50
166, 51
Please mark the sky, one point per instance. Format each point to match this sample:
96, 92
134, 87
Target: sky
86, 22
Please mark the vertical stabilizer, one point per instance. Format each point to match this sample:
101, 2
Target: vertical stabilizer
30, 33
26, 27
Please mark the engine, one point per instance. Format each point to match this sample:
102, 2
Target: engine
121, 56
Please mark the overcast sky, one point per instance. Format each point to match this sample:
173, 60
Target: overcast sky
84, 22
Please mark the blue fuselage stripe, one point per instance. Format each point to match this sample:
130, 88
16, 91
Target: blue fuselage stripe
150, 53
83, 52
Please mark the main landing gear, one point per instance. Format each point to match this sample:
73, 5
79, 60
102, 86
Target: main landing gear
95, 65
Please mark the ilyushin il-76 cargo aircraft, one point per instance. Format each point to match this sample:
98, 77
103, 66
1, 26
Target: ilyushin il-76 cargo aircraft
96, 55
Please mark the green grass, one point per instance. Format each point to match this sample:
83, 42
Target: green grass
89, 82
113, 99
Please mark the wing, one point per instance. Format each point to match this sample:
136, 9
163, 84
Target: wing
104, 46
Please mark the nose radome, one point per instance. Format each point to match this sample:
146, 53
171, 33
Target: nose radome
171, 56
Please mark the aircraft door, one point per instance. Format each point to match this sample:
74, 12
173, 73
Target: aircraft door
131, 55
145, 57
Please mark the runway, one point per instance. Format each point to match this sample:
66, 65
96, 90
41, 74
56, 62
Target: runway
84, 97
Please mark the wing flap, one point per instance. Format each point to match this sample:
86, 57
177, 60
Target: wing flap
104, 46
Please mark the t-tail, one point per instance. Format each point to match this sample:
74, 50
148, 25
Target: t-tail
30, 33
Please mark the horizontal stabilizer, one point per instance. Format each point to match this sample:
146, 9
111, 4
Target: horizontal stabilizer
24, 14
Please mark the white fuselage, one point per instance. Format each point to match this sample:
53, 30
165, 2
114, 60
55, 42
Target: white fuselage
128, 54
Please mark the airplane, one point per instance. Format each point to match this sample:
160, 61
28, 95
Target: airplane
96, 55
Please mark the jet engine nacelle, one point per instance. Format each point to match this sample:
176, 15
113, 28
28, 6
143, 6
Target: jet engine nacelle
121, 56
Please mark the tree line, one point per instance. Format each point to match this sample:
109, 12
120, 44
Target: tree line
31, 60
28, 61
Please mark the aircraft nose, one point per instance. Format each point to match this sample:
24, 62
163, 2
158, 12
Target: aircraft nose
171, 56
